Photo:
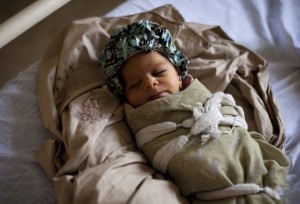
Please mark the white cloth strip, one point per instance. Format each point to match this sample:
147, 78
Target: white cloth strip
204, 123
237, 190
151, 132
164, 154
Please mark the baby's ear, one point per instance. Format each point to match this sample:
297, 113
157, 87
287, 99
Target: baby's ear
186, 81
180, 82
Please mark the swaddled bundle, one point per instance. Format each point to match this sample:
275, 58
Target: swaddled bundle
222, 161
198, 138
91, 151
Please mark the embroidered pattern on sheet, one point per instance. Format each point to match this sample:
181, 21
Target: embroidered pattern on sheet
61, 78
94, 107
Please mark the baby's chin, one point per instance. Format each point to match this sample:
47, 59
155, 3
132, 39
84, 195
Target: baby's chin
153, 98
158, 96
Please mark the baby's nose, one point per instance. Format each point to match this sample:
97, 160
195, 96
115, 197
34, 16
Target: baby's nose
150, 82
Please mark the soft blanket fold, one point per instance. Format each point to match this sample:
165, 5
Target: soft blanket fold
92, 151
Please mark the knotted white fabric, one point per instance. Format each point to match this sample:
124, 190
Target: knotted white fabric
204, 123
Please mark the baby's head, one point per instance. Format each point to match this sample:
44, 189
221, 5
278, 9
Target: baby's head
141, 63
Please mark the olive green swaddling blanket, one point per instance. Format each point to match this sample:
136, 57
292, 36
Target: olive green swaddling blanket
235, 157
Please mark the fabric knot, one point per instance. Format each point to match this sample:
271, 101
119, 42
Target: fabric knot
204, 123
205, 120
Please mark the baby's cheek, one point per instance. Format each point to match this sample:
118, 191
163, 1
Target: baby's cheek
132, 99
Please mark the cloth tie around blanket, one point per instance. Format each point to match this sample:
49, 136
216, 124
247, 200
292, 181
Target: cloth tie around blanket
238, 190
204, 122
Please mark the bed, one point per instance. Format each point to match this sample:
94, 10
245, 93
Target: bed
269, 28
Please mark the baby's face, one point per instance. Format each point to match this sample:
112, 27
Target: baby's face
148, 76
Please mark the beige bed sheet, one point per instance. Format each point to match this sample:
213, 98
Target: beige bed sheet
92, 157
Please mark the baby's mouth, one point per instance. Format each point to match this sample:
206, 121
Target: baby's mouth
157, 96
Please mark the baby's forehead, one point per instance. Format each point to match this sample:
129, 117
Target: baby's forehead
150, 57
146, 61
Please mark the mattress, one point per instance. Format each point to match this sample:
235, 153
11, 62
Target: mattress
269, 28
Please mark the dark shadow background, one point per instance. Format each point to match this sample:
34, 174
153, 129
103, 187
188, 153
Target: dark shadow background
30, 46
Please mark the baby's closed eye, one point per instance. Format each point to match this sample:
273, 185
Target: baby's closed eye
160, 72
134, 84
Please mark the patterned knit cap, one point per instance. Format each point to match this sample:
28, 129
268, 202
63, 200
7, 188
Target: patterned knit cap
140, 36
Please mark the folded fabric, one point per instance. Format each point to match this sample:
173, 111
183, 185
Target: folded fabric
91, 157
92, 150
202, 142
